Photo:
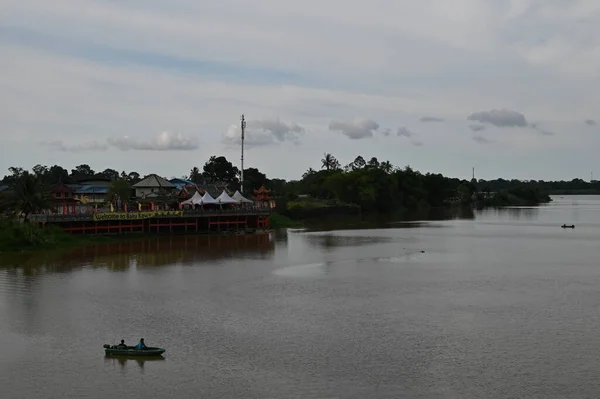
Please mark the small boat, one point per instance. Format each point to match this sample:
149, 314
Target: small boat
131, 351
564, 226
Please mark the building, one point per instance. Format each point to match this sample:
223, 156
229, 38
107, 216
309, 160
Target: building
263, 199
61, 192
182, 183
92, 190
153, 186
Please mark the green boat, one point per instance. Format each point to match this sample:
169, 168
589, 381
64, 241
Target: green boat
131, 351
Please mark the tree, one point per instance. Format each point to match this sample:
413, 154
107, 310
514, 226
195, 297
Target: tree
358, 163
82, 172
253, 179
110, 174
386, 166
219, 169
329, 162
29, 195
40, 170
373, 163
195, 175
15, 173
133, 177
57, 174
120, 189
308, 173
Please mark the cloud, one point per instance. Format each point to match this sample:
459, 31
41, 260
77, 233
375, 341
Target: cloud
404, 132
416, 143
500, 118
165, 141
481, 140
426, 119
356, 129
264, 132
544, 132
59, 145
590, 122
477, 128
540, 130
386, 132
142, 65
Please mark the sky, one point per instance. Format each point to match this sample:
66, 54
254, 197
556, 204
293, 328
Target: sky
509, 87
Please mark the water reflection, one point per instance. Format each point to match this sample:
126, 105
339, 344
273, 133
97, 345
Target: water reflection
332, 241
395, 220
513, 213
148, 252
123, 361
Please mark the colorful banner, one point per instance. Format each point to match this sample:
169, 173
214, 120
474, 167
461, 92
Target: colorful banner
99, 217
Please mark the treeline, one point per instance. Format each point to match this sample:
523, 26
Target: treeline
575, 186
370, 185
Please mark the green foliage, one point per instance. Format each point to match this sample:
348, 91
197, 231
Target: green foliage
219, 169
28, 195
17, 235
281, 221
120, 189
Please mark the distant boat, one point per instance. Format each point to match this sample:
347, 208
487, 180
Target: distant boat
131, 351
564, 226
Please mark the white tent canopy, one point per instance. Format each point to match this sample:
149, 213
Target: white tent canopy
224, 198
196, 199
207, 199
240, 198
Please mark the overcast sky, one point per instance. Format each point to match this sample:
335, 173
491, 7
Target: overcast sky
511, 87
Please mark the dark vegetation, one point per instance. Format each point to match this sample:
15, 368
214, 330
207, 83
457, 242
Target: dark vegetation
362, 186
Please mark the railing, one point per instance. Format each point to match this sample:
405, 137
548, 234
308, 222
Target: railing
186, 213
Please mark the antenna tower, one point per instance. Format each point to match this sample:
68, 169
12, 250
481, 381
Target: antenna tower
243, 125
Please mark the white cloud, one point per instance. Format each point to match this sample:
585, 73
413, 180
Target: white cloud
88, 69
165, 141
427, 119
477, 128
59, 145
500, 118
356, 129
405, 132
481, 140
264, 132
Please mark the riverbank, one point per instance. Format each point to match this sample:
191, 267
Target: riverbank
16, 236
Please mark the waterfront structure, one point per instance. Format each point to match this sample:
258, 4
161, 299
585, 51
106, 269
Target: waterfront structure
153, 186
263, 199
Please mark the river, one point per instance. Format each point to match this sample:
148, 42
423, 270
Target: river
496, 304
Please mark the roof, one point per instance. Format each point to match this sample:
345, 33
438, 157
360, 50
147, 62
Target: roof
61, 188
96, 181
213, 190
187, 191
181, 183
154, 181
89, 189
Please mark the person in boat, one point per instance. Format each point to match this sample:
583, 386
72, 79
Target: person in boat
122, 345
141, 345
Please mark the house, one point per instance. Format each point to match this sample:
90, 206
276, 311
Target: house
153, 186
89, 190
61, 192
181, 183
91, 194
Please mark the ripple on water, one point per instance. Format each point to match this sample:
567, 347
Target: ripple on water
307, 270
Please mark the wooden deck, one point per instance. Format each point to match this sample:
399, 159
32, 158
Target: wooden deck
160, 221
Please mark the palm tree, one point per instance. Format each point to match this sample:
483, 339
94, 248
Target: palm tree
329, 162
386, 166
309, 172
195, 175
29, 195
